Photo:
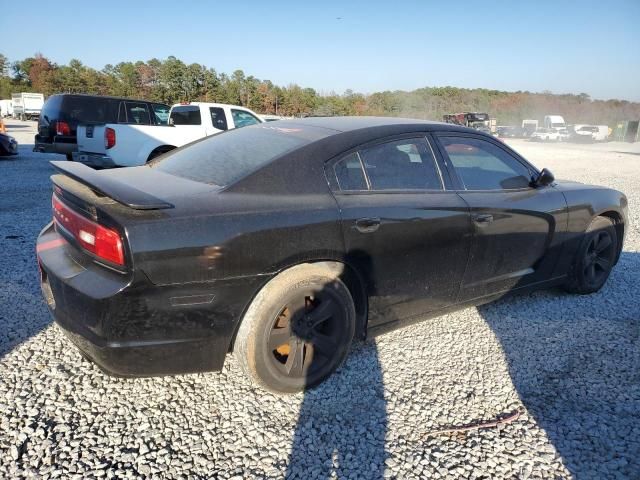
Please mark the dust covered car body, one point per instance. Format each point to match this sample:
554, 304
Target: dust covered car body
282, 242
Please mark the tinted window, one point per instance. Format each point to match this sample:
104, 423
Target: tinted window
224, 158
81, 109
349, 173
186, 115
404, 164
51, 108
161, 113
218, 118
137, 113
242, 118
484, 166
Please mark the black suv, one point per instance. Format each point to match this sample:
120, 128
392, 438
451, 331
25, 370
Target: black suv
62, 113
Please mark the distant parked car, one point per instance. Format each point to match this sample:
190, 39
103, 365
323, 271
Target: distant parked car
61, 115
564, 135
271, 118
510, 132
545, 135
8, 145
591, 133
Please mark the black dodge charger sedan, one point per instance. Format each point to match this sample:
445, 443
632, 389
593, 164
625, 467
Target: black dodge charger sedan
282, 242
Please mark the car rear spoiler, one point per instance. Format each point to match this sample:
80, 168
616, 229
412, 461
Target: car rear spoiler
102, 184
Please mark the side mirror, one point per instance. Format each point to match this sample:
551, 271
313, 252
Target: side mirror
545, 178
170, 121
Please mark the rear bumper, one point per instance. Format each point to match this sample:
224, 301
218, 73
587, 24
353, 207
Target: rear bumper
63, 148
94, 159
127, 325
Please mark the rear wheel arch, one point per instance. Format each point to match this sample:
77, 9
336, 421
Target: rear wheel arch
342, 270
159, 151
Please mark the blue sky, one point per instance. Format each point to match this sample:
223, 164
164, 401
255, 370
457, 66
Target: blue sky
565, 47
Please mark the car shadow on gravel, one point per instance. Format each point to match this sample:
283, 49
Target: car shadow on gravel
342, 425
575, 363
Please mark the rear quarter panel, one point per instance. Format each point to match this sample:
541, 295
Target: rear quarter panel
241, 235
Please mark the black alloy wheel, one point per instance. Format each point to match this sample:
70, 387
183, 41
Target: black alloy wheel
298, 329
595, 257
305, 335
599, 256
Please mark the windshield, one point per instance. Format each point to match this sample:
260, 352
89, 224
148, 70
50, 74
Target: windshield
226, 157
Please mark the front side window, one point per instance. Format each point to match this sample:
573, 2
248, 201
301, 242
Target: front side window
186, 115
484, 166
218, 118
137, 113
161, 113
242, 118
401, 165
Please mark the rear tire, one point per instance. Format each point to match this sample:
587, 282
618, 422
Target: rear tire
595, 257
297, 331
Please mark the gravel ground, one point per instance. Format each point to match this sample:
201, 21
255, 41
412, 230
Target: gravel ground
568, 363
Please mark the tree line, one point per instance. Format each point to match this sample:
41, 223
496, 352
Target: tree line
171, 81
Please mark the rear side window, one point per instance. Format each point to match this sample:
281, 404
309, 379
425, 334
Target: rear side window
137, 113
218, 118
243, 119
186, 115
484, 166
349, 173
227, 157
401, 165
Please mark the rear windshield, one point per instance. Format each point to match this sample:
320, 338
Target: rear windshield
187, 115
227, 157
89, 109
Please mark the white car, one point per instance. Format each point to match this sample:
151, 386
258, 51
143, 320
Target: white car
126, 145
545, 135
592, 133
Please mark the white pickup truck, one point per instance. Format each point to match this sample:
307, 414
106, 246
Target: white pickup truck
126, 145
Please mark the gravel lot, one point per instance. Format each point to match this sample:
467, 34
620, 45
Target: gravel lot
569, 364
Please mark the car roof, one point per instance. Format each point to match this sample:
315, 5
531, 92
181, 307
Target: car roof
347, 124
110, 97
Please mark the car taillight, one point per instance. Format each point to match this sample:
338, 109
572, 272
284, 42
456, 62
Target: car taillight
103, 242
109, 138
62, 128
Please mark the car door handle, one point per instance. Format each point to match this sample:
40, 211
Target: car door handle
483, 219
368, 225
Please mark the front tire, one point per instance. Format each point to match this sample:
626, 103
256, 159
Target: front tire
297, 331
595, 257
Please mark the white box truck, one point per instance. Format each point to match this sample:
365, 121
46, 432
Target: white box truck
27, 105
554, 122
6, 108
